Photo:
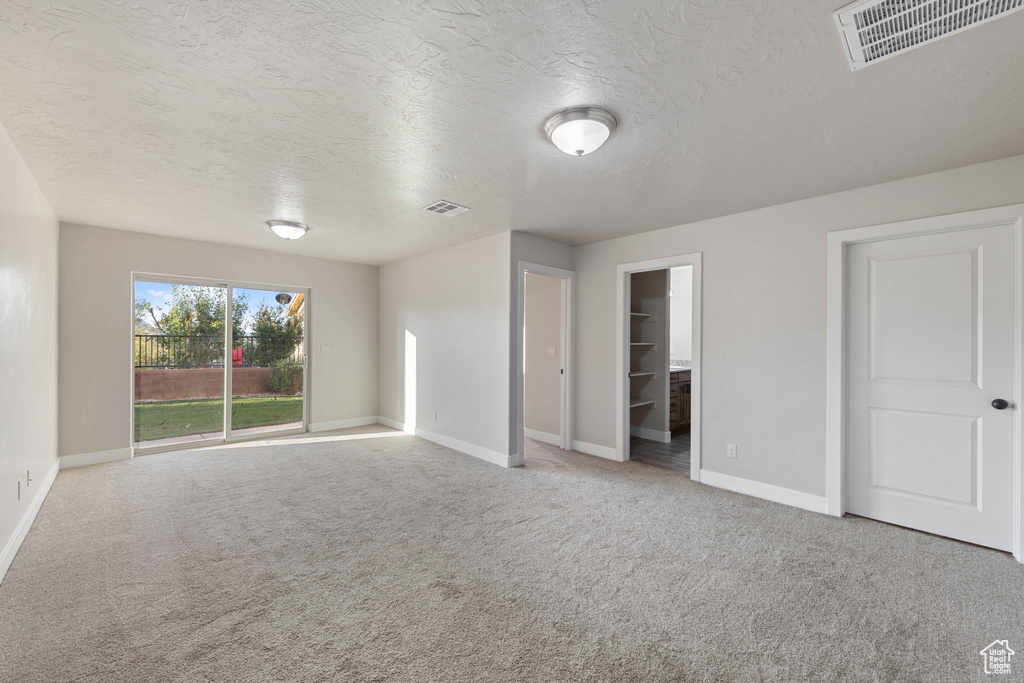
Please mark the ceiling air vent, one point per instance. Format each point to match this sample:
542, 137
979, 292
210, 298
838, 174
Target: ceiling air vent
446, 208
874, 30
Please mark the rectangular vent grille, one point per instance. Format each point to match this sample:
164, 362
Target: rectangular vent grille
446, 208
874, 30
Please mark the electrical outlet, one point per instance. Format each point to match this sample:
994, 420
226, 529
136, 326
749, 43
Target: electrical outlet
730, 450
551, 352
325, 348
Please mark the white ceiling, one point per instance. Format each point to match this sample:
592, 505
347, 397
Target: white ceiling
205, 118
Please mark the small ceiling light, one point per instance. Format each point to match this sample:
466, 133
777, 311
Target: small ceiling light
289, 230
581, 130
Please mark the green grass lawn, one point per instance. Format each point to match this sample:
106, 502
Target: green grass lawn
167, 419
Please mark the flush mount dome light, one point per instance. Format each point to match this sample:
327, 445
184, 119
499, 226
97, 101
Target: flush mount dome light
289, 230
581, 130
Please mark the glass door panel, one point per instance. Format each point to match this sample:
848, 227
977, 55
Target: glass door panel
179, 363
267, 362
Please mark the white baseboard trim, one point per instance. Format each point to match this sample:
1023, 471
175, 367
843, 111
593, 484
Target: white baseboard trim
343, 424
651, 434
14, 542
546, 437
388, 422
500, 459
594, 449
97, 458
776, 494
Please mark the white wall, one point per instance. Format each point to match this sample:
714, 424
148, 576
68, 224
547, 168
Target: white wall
96, 326
544, 252
681, 308
456, 303
28, 347
543, 378
764, 316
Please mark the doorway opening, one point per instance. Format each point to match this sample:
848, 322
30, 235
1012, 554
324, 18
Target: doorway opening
215, 362
661, 360
658, 363
543, 405
542, 360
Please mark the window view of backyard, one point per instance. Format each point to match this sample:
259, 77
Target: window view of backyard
180, 363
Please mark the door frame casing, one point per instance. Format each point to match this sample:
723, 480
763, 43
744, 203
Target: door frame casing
229, 286
622, 350
837, 329
568, 336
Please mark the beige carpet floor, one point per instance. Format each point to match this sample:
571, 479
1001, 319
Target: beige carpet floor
368, 555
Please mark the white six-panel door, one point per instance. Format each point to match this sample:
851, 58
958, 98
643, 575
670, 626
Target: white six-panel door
930, 347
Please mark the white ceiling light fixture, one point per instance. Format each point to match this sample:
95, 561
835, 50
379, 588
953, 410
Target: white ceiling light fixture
581, 130
289, 230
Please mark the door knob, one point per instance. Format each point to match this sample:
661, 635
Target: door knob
1000, 404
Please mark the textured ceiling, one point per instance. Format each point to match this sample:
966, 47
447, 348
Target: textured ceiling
205, 118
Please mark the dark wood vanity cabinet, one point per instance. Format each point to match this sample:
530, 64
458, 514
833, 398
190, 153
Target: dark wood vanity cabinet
679, 401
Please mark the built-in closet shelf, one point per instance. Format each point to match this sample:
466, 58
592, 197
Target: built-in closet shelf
642, 344
642, 315
642, 374
638, 404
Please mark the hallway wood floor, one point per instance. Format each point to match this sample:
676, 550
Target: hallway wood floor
674, 455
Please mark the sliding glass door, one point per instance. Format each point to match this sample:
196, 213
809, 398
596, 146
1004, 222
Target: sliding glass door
200, 378
267, 372
179, 363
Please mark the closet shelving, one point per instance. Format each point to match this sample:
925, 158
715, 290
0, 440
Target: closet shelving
647, 373
639, 347
638, 403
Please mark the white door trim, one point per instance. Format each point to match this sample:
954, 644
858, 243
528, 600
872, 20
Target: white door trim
568, 337
838, 244
622, 353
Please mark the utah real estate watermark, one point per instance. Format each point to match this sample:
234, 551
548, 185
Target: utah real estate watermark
997, 657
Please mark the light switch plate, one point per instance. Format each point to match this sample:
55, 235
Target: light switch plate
325, 348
